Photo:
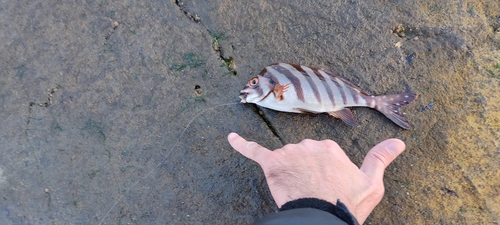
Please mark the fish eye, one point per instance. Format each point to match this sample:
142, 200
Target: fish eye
254, 81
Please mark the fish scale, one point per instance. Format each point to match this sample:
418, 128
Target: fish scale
290, 87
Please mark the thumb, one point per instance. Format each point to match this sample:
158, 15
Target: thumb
251, 150
380, 156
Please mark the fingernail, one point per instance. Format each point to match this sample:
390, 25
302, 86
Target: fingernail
392, 148
232, 136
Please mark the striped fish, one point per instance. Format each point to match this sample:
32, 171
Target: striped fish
300, 89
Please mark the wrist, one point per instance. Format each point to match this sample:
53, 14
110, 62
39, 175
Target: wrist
339, 210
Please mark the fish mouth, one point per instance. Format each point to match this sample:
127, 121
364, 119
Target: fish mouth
243, 97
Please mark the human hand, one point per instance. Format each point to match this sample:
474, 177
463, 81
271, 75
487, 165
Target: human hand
321, 169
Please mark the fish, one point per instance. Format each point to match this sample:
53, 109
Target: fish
289, 87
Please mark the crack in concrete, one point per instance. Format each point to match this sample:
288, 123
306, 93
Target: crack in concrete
268, 122
194, 17
228, 61
44, 104
112, 31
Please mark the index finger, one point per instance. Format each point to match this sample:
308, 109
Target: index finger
250, 150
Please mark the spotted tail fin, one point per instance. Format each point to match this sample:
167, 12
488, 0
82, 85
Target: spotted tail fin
389, 105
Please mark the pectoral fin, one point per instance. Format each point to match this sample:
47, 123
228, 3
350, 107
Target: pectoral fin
345, 115
279, 90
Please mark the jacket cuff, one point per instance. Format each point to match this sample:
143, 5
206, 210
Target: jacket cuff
339, 210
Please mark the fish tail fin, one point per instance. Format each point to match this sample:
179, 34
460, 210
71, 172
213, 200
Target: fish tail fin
389, 106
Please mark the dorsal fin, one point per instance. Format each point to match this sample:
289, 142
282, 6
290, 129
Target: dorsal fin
345, 80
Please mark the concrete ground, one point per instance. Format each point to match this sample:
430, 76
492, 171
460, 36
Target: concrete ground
107, 107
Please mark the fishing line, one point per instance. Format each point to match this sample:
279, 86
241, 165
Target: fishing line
164, 158
236, 82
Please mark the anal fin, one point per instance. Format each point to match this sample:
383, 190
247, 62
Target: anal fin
345, 115
306, 111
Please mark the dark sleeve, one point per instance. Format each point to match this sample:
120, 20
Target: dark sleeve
310, 211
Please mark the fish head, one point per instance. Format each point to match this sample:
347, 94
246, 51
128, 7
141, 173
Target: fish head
256, 89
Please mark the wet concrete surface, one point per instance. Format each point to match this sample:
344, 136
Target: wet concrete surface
107, 107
